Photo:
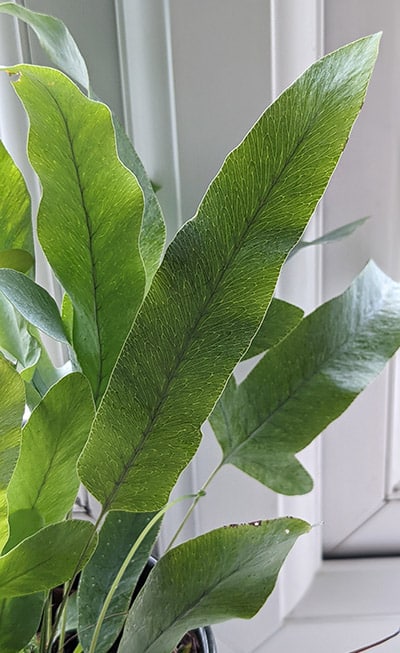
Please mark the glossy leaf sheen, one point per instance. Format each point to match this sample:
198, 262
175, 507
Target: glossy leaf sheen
95, 212
307, 381
215, 283
223, 574
45, 480
33, 302
12, 404
280, 319
46, 559
119, 532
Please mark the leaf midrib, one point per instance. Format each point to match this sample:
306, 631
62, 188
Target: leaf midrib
302, 384
90, 231
190, 337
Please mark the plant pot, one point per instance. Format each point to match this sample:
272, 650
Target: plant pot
202, 639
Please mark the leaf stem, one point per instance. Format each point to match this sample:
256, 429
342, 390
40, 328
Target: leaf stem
381, 641
201, 493
63, 622
122, 569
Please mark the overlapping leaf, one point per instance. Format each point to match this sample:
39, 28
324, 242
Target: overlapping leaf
227, 573
215, 283
12, 404
62, 50
280, 319
45, 481
119, 532
47, 558
307, 381
91, 209
33, 302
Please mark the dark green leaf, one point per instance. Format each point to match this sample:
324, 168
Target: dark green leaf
46, 559
19, 621
12, 404
280, 319
307, 381
94, 215
229, 572
55, 40
33, 302
152, 234
215, 283
45, 480
118, 534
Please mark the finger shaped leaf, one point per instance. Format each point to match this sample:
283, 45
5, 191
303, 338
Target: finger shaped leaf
119, 532
47, 558
45, 481
12, 404
307, 381
280, 319
55, 39
33, 302
215, 283
227, 573
89, 224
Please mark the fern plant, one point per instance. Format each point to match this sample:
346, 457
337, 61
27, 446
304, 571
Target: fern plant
153, 338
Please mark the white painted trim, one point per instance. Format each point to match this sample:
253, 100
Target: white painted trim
149, 97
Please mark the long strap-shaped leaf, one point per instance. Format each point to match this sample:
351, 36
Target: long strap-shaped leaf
90, 214
63, 51
12, 403
307, 381
215, 283
229, 572
15, 207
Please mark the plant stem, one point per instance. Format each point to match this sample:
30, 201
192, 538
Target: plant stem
198, 496
124, 566
63, 623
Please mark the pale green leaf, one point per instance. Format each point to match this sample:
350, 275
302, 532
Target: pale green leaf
55, 40
215, 283
16, 341
331, 236
307, 381
227, 573
45, 480
12, 404
95, 212
119, 532
33, 302
280, 319
46, 559
19, 621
